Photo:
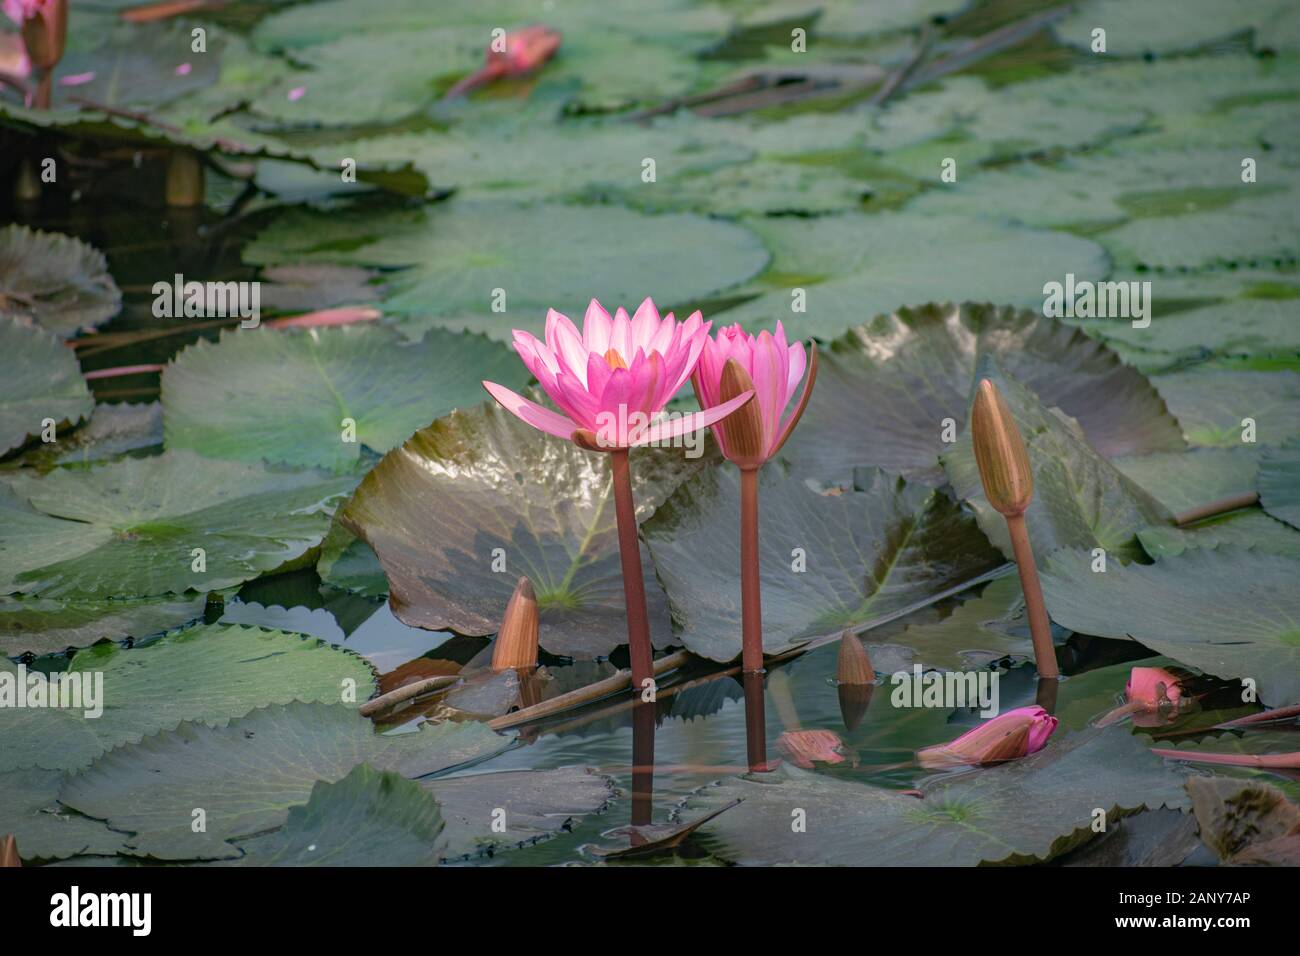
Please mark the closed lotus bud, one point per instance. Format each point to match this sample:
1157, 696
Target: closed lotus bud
9, 851
516, 643
804, 747
1000, 452
1009, 736
855, 680
526, 50
45, 30
743, 427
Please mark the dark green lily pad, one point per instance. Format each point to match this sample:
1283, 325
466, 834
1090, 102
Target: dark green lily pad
1210, 404
283, 396
850, 19
1227, 611
479, 489
1245, 528
246, 774
979, 631
369, 818
129, 528
1024, 811
43, 381
44, 830
210, 673
876, 548
46, 625
453, 256
1183, 480
55, 281
1279, 484
886, 389
1136, 28
1080, 499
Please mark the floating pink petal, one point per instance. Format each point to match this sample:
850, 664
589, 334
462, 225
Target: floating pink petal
77, 79
297, 93
806, 747
184, 69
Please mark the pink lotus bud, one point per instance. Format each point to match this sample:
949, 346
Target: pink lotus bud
1152, 686
804, 747
1009, 736
525, 51
44, 29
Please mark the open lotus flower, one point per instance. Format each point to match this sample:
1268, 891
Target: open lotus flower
613, 377
1009, 736
736, 362
525, 50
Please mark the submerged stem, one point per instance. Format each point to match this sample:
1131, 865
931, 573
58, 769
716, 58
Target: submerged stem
629, 549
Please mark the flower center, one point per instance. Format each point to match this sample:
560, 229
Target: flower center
614, 360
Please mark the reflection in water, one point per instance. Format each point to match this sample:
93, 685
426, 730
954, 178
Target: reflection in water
755, 722
643, 764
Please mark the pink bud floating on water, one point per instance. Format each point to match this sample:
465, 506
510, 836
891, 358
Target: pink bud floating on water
1009, 736
525, 50
804, 747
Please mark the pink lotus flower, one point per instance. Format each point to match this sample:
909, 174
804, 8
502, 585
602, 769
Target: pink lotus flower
525, 50
613, 377
1152, 685
1009, 736
773, 369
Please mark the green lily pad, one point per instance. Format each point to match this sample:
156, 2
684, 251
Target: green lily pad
111, 431
1246, 528
1023, 811
369, 818
55, 281
30, 810
1279, 483
854, 266
847, 18
284, 396
208, 673
43, 382
1080, 499
247, 773
454, 255
1210, 404
1258, 231
129, 528
979, 631
1186, 479
1227, 611
1136, 28
915, 369
876, 548
479, 490
47, 625
348, 562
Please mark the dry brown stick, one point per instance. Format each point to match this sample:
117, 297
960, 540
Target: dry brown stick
407, 692
1246, 499
896, 79
995, 41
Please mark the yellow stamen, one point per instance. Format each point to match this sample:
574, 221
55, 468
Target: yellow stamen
614, 360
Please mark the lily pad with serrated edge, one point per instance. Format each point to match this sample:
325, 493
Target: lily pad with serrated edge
44, 830
287, 396
209, 672
1023, 811
42, 384
56, 281
1133, 29
1227, 611
247, 773
886, 390
876, 548
46, 625
130, 527
480, 490
1279, 483
1080, 499
1212, 404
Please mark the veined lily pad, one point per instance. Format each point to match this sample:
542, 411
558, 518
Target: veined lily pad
209, 673
55, 281
1183, 480
1259, 231
42, 382
1279, 484
479, 491
29, 809
1136, 28
1245, 528
887, 389
1080, 499
1024, 811
131, 527
454, 256
853, 266
1227, 611
45, 625
1211, 404
1246, 823
246, 774
287, 396
828, 561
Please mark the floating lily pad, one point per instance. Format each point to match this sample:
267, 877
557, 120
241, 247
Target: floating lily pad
303, 288
1258, 231
454, 256
55, 281
1227, 611
1246, 528
1246, 823
848, 18
1211, 404
129, 528
246, 774
369, 818
30, 810
46, 625
852, 267
286, 396
1186, 479
886, 389
348, 562
1080, 499
43, 382
210, 672
1279, 484
479, 490
828, 561
1136, 28
111, 431
979, 631
1024, 811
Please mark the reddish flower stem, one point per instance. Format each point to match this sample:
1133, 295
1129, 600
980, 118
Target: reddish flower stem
629, 549
1040, 628
751, 599
755, 722
643, 764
